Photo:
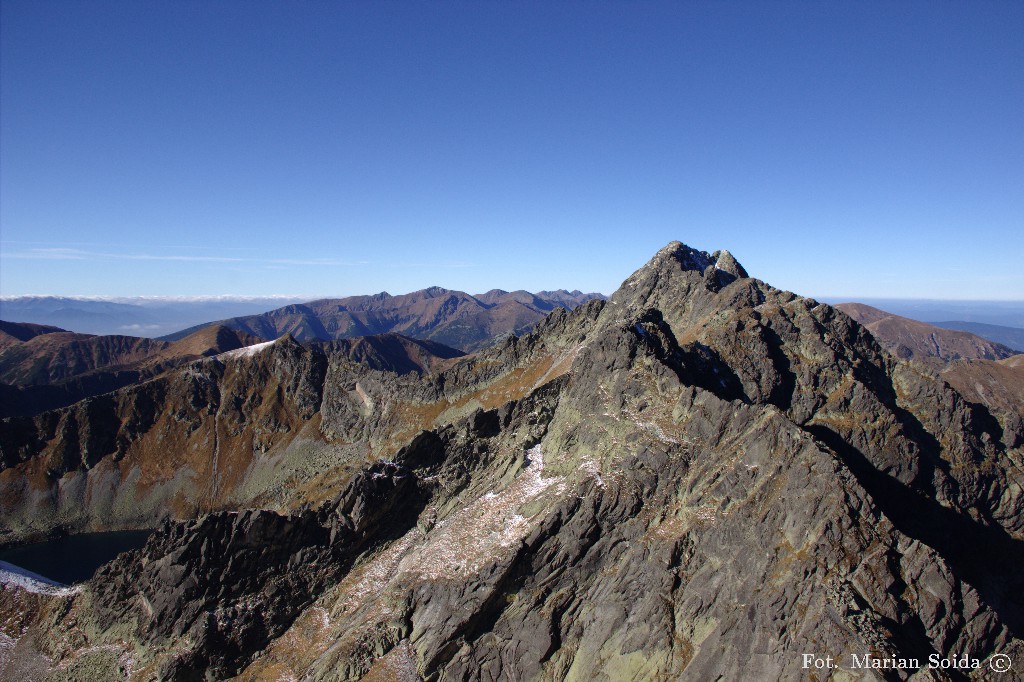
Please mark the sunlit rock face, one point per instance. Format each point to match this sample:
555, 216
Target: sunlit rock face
703, 477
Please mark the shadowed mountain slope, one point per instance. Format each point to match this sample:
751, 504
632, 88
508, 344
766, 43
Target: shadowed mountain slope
13, 333
983, 371
391, 353
702, 478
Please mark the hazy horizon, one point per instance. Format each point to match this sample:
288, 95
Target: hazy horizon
313, 297
160, 316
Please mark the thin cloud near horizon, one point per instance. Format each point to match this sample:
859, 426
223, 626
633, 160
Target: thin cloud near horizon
60, 253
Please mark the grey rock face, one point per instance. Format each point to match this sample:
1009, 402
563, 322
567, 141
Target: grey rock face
703, 478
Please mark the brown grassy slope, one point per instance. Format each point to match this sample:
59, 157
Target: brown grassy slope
60, 356
1014, 361
997, 385
908, 338
57, 357
210, 341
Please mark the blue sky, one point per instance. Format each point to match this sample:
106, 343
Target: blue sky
186, 148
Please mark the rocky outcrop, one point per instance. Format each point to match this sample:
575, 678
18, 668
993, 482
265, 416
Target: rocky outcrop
278, 424
391, 353
703, 478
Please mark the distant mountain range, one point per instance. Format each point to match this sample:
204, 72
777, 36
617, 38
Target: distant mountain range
136, 316
452, 318
44, 367
1011, 337
1000, 313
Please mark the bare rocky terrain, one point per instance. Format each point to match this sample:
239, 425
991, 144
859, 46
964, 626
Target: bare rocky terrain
701, 478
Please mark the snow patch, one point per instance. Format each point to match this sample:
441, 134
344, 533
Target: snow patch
466, 542
364, 584
471, 538
246, 352
325, 618
590, 467
16, 576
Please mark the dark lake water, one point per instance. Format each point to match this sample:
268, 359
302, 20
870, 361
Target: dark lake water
74, 558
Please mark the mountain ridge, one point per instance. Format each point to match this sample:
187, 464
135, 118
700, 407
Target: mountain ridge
453, 318
908, 338
636, 489
149, 316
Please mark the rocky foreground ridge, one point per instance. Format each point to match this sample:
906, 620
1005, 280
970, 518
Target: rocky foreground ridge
702, 478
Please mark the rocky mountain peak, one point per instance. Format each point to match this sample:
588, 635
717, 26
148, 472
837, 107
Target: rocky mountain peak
686, 256
676, 257
725, 262
684, 283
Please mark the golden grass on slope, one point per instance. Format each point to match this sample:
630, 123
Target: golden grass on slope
513, 385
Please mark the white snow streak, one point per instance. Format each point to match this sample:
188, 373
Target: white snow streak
30, 582
593, 471
465, 542
471, 538
246, 352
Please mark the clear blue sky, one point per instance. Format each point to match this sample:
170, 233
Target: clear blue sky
315, 148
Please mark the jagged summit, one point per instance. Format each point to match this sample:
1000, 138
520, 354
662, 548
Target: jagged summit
684, 283
686, 256
725, 262
719, 268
